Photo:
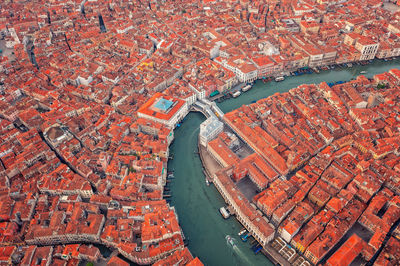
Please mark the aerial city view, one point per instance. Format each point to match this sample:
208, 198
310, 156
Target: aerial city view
200, 132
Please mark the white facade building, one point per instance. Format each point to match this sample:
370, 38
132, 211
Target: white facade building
368, 48
210, 129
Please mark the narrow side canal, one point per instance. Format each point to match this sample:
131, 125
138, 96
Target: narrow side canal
197, 204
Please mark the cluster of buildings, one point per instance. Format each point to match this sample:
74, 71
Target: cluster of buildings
90, 92
86, 133
47, 255
325, 168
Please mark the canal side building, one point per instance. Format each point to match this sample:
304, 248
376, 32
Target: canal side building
221, 153
246, 214
209, 130
273, 158
164, 109
366, 46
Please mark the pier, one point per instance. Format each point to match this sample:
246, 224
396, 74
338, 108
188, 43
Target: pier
225, 95
275, 256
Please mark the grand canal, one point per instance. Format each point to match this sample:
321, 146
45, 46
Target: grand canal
197, 204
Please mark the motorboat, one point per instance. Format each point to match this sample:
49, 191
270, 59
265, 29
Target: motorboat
230, 240
236, 94
242, 232
224, 212
246, 88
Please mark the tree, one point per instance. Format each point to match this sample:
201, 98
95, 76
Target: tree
381, 86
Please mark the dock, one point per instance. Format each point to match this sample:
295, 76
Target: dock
231, 210
274, 256
228, 93
220, 96
206, 160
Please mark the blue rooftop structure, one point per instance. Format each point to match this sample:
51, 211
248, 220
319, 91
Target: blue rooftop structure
163, 104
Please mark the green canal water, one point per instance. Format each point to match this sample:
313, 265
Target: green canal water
197, 205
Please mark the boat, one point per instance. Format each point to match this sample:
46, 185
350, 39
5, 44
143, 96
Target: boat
230, 240
214, 93
281, 78
236, 94
242, 232
255, 247
246, 88
350, 65
258, 250
245, 237
207, 182
363, 72
224, 212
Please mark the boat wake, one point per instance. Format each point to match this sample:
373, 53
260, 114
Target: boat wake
231, 241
